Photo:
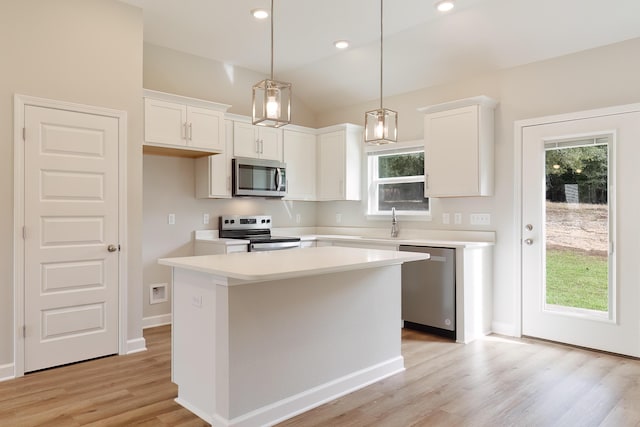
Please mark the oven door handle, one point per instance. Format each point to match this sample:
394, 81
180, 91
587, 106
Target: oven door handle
264, 246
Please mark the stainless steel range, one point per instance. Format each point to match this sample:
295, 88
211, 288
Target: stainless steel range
256, 229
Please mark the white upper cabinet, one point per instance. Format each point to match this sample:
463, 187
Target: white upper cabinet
213, 173
257, 142
182, 126
339, 162
300, 157
458, 150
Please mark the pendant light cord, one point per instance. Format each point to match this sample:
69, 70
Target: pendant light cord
381, 1
271, 39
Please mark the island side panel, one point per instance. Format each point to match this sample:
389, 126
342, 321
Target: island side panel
296, 343
193, 337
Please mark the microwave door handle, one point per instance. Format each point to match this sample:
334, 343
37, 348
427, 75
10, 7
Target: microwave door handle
278, 179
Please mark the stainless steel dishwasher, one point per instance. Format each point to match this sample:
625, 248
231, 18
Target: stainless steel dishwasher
429, 291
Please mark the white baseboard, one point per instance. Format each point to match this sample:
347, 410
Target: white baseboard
7, 372
153, 321
502, 328
302, 402
136, 345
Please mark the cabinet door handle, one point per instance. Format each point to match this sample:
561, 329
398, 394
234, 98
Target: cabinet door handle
258, 146
183, 134
262, 146
228, 183
190, 131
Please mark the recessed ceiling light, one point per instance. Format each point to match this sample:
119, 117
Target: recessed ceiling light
445, 5
260, 13
341, 44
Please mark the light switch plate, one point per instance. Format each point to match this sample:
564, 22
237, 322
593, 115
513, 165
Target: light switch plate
457, 218
446, 218
205, 218
171, 219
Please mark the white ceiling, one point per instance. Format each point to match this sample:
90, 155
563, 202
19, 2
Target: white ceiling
422, 47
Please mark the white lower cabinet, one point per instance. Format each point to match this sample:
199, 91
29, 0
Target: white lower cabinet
213, 173
202, 247
300, 157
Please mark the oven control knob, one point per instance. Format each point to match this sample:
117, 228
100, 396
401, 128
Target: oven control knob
268, 221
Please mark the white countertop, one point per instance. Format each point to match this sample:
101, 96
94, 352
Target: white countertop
436, 239
263, 266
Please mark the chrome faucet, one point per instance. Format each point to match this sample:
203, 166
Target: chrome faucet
394, 223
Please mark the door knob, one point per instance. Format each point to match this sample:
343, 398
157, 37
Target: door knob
528, 241
112, 248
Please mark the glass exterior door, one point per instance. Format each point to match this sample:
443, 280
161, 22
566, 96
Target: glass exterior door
580, 204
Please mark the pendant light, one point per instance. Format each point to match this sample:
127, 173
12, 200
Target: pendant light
381, 125
271, 99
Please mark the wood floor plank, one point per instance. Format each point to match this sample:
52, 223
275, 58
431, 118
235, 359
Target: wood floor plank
496, 381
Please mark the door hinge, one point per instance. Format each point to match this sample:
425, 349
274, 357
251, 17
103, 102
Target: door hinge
24, 134
119, 249
24, 232
24, 331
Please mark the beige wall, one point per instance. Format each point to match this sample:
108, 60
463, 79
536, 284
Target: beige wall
176, 72
83, 51
592, 79
169, 187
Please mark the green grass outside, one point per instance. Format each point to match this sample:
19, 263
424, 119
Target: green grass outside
577, 280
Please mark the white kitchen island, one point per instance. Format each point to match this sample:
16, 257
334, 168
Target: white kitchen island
262, 336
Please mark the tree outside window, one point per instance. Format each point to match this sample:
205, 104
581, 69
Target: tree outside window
397, 180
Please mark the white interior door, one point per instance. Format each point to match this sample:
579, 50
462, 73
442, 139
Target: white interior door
71, 218
580, 210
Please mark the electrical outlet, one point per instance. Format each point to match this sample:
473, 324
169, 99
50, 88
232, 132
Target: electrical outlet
446, 218
205, 218
480, 219
457, 218
338, 218
298, 218
171, 219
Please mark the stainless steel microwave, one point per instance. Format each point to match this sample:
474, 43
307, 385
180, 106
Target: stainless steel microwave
258, 177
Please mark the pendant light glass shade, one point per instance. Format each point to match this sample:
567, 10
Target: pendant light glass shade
271, 99
381, 125
271, 103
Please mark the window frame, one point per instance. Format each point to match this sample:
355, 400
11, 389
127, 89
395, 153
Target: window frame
372, 154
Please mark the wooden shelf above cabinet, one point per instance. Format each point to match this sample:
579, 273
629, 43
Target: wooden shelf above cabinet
176, 151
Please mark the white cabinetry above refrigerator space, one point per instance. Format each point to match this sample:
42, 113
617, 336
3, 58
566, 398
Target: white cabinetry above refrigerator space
181, 126
257, 142
458, 150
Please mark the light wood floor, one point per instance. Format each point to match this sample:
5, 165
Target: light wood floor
492, 382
